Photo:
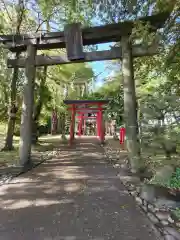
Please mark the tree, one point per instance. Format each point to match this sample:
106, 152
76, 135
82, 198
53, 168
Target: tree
20, 12
41, 91
17, 21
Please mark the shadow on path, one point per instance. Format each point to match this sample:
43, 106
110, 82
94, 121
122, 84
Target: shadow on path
74, 196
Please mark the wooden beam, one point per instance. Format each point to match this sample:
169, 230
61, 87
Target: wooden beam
89, 110
73, 40
85, 103
92, 35
114, 53
86, 117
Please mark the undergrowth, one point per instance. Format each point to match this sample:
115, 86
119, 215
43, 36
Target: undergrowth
174, 181
177, 212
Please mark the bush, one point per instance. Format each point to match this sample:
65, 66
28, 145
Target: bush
43, 129
177, 212
174, 181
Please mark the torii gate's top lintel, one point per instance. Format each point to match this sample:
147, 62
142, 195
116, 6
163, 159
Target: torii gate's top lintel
89, 102
91, 35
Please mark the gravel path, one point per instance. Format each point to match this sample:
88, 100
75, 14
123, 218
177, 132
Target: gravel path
74, 196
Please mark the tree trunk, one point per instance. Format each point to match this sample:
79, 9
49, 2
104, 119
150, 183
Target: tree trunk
12, 117
12, 114
38, 107
63, 126
27, 108
54, 122
140, 133
130, 106
61, 123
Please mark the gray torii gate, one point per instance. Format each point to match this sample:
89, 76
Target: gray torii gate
73, 38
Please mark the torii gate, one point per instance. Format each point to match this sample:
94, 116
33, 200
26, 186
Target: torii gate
73, 38
82, 107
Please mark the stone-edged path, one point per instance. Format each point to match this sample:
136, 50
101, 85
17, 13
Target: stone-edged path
74, 196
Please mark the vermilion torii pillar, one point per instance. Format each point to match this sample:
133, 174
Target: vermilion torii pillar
82, 118
100, 123
97, 125
80, 125
72, 123
77, 106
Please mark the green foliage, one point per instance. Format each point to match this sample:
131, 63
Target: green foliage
113, 91
174, 182
57, 79
177, 212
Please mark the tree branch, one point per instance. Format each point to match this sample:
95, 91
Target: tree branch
6, 10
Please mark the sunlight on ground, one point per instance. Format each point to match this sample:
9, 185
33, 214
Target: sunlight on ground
72, 172
96, 155
24, 203
32, 192
46, 143
49, 137
35, 191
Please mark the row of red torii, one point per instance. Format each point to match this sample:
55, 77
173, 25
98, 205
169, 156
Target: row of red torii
82, 107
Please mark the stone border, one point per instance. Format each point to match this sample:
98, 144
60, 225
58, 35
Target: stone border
15, 171
164, 220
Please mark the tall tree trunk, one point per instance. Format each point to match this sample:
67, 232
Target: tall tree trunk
12, 110
38, 107
63, 125
130, 106
140, 117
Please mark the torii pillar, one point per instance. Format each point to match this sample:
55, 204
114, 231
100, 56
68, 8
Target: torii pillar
130, 105
80, 125
100, 125
72, 123
27, 108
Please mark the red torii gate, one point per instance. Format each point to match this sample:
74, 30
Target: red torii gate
82, 107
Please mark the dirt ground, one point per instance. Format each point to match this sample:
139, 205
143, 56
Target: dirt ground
74, 196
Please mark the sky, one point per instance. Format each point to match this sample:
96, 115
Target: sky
101, 68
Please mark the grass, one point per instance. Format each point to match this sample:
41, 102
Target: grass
7, 157
46, 143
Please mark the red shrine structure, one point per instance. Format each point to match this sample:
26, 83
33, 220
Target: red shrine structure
84, 109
